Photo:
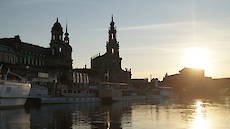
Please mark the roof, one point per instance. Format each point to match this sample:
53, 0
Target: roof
57, 27
12, 41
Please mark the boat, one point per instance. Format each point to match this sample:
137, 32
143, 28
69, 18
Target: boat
14, 90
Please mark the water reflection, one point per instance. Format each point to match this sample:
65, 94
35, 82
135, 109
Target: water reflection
14, 119
176, 114
200, 121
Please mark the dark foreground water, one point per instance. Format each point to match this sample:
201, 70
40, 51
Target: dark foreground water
159, 114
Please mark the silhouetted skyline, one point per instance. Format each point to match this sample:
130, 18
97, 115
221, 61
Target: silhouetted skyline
153, 35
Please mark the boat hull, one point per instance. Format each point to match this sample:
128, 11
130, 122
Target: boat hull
13, 93
12, 102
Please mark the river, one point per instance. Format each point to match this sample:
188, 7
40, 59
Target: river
155, 114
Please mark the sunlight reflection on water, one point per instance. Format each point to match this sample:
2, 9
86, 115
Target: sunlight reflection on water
200, 121
175, 114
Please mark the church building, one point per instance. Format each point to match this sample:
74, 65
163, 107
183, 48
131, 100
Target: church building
108, 66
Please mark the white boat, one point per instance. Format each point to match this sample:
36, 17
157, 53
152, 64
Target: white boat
13, 92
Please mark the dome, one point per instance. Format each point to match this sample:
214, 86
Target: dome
57, 27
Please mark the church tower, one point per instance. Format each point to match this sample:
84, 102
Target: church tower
108, 65
112, 46
60, 54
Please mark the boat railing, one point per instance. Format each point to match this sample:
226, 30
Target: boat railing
15, 81
16, 77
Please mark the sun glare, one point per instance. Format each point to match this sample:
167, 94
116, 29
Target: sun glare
196, 58
199, 120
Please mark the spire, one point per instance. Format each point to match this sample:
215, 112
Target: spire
57, 19
112, 22
66, 26
66, 39
112, 30
66, 31
112, 46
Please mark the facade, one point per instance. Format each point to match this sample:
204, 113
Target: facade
108, 66
81, 77
7, 55
39, 64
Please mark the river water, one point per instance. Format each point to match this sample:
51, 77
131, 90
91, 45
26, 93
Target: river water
145, 114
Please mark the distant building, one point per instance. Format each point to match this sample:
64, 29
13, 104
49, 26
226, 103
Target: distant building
139, 83
40, 64
187, 77
108, 65
223, 83
193, 82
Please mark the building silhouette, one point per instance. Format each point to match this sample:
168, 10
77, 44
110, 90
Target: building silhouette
187, 77
193, 82
60, 61
108, 65
40, 64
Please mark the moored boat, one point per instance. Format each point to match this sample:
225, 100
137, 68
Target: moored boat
13, 90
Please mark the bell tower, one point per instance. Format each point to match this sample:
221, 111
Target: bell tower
112, 45
108, 65
60, 54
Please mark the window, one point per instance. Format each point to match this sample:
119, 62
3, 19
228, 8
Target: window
112, 51
60, 49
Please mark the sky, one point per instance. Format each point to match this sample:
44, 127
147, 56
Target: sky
154, 35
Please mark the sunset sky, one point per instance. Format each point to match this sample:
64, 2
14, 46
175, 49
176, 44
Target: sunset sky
156, 36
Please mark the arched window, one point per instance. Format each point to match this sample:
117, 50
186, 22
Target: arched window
112, 51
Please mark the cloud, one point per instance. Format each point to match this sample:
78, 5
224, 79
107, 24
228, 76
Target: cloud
168, 25
157, 26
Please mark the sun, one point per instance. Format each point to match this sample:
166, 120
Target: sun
196, 58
